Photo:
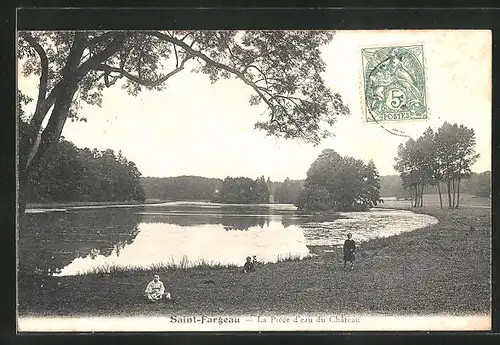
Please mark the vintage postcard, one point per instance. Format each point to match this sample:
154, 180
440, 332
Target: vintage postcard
254, 180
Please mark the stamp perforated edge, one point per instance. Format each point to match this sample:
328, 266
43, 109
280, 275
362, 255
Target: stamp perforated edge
361, 81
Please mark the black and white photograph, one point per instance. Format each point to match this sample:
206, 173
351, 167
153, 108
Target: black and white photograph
254, 180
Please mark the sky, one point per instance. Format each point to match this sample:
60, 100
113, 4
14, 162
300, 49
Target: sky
198, 128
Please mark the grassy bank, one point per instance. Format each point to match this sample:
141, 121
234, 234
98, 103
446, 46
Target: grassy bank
443, 268
432, 201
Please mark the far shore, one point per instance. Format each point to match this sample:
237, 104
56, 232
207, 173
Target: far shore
430, 201
439, 269
63, 204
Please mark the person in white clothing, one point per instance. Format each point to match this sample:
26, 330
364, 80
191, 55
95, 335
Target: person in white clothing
155, 290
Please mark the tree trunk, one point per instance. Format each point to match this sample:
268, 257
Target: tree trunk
411, 196
439, 192
454, 192
417, 197
449, 193
458, 193
414, 196
62, 97
415, 202
422, 196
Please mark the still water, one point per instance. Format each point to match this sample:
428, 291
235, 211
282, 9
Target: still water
79, 240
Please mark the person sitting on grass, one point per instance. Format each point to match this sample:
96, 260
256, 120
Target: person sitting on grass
155, 290
254, 261
249, 266
349, 248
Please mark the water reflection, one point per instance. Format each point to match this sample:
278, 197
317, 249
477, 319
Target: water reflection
49, 241
231, 217
161, 244
169, 234
230, 221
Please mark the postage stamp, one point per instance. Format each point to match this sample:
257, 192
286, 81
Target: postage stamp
394, 83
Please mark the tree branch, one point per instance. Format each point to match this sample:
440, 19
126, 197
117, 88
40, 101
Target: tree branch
211, 62
37, 119
137, 79
101, 38
176, 56
103, 55
291, 119
72, 73
232, 55
186, 35
65, 89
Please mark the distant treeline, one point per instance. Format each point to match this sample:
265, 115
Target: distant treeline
180, 187
286, 192
68, 173
229, 190
243, 190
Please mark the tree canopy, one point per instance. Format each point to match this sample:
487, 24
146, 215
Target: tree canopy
339, 183
69, 173
243, 190
288, 191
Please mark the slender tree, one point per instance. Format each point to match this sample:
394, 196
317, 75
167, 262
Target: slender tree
456, 152
466, 142
261, 191
446, 155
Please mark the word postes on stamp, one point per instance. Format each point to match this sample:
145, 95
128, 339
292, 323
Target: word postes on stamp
394, 83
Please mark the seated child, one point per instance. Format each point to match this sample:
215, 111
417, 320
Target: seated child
249, 266
155, 290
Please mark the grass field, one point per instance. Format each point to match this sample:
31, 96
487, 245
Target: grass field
432, 201
443, 268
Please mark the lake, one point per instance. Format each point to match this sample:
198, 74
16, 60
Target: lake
78, 240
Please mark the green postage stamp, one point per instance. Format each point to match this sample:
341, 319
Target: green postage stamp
394, 83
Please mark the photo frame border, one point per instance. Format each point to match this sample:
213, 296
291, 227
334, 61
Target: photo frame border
249, 18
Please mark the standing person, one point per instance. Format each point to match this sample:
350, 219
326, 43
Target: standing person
155, 289
349, 248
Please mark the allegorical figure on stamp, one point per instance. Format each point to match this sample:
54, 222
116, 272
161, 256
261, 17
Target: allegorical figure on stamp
394, 83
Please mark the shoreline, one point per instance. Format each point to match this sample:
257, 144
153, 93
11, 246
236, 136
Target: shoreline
69, 204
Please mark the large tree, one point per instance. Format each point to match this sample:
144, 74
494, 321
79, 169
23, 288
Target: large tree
281, 68
339, 183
